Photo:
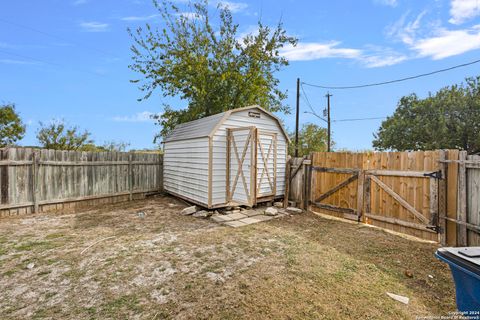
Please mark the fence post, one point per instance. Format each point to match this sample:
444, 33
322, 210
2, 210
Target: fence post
442, 198
462, 199
366, 194
287, 182
307, 170
160, 172
35, 180
360, 195
4, 177
130, 176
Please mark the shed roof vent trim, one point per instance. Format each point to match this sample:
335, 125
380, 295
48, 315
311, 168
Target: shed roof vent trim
254, 114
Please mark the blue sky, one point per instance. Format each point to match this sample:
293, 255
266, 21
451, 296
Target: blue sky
68, 59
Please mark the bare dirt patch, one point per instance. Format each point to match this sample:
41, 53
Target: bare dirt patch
110, 263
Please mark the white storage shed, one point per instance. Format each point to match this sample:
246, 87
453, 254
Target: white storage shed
237, 157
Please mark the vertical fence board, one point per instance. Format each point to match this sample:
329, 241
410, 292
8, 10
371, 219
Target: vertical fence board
452, 187
473, 201
462, 200
45, 180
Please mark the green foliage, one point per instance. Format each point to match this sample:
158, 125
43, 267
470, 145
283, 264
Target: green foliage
310, 138
449, 119
11, 127
57, 135
207, 63
117, 146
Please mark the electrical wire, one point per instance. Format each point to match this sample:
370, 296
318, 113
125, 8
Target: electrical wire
305, 98
49, 63
359, 119
15, 24
392, 81
310, 105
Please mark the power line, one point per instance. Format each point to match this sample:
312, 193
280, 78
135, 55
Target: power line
49, 63
309, 104
392, 81
56, 37
312, 112
359, 119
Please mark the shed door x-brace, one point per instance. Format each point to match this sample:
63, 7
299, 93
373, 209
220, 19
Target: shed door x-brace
241, 154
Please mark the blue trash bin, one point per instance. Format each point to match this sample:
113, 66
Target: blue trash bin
464, 263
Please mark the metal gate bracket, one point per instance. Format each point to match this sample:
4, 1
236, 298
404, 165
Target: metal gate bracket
435, 174
437, 229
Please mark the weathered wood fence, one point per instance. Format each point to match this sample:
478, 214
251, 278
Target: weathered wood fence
468, 218
434, 195
40, 180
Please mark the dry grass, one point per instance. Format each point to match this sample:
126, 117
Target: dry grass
170, 266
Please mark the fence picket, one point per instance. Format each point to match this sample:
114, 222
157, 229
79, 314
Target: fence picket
46, 180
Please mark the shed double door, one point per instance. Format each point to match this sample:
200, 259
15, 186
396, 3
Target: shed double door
251, 165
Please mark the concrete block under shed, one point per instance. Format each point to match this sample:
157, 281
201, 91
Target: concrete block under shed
271, 211
293, 210
235, 224
189, 210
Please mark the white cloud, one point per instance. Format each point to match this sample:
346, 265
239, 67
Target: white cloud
405, 31
382, 60
370, 57
313, 51
463, 10
93, 26
390, 3
233, 6
190, 15
144, 116
447, 43
140, 18
432, 40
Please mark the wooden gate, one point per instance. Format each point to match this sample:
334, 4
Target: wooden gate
347, 212
414, 219
402, 191
241, 165
266, 164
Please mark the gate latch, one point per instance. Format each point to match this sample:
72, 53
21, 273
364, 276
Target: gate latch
434, 174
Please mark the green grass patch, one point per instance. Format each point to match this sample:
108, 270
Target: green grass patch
10, 272
33, 245
54, 236
120, 305
3, 251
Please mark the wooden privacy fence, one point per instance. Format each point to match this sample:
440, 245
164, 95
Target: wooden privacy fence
40, 180
434, 195
468, 207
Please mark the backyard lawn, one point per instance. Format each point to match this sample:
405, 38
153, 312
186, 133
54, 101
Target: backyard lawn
110, 263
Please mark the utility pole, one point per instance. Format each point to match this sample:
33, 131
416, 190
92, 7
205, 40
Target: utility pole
296, 119
328, 121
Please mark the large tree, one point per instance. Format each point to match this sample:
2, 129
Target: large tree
205, 61
11, 127
57, 135
311, 138
449, 119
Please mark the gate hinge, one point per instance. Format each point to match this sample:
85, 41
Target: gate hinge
437, 229
434, 174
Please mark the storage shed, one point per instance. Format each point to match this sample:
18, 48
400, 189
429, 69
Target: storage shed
237, 157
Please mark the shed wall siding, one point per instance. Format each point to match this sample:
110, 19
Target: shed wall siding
238, 120
186, 169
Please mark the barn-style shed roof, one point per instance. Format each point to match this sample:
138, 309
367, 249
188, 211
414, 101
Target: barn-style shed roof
207, 126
